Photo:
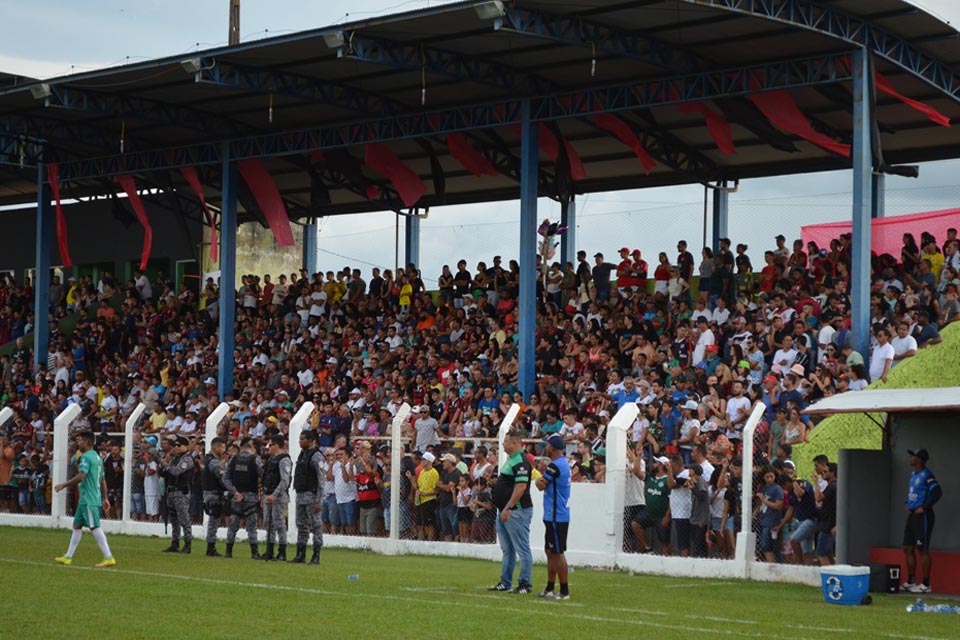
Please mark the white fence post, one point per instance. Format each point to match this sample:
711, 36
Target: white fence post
213, 421
396, 459
502, 432
747, 539
617, 470
61, 444
128, 461
297, 422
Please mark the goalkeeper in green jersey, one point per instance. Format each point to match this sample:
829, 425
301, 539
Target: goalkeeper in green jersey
93, 495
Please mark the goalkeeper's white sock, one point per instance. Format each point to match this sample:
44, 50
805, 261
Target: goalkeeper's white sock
101, 539
74, 541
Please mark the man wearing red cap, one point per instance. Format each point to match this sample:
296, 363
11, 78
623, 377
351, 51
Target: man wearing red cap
625, 279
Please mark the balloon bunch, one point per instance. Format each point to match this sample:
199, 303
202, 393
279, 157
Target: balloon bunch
548, 246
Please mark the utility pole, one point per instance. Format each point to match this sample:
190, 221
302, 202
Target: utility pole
233, 37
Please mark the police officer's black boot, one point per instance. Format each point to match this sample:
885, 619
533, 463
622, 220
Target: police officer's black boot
255, 551
282, 553
173, 548
269, 554
316, 555
186, 546
301, 556
229, 553
212, 550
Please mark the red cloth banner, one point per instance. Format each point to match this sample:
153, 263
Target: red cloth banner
468, 157
887, 233
130, 187
381, 159
884, 85
265, 192
717, 125
624, 133
52, 179
577, 170
782, 111
190, 175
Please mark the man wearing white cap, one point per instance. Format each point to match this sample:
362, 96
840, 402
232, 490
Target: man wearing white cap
426, 430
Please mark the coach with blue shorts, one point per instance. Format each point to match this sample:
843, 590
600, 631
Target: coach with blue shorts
555, 484
923, 492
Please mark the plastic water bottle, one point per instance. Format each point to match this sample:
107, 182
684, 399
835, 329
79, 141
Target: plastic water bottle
920, 607
353, 576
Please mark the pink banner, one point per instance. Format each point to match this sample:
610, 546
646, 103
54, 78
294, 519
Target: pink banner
381, 159
128, 184
577, 171
884, 85
265, 192
54, 182
190, 175
887, 233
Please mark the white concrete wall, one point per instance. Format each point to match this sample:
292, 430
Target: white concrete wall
595, 536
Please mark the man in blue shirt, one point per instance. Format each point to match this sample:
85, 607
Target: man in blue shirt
923, 492
629, 393
555, 484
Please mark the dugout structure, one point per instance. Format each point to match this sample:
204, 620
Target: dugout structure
872, 485
488, 100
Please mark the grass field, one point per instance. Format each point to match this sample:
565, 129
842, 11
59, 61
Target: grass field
154, 595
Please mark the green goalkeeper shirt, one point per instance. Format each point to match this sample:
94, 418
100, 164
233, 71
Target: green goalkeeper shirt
90, 464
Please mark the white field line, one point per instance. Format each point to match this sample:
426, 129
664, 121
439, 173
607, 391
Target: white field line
687, 585
551, 612
812, 628
544, 611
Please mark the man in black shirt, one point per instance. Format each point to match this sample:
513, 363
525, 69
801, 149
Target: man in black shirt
827, 519
601, 277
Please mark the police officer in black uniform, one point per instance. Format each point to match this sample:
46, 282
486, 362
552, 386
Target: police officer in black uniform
276, 485
211, 478
242, 481
178, 475
308, 479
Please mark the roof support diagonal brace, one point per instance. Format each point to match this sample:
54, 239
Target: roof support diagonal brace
448, 64
575, 31
824, 19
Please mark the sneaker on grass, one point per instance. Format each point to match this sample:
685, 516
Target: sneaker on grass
907, 587
545, 594
919, 588
67, 560
107, 562
523, 588
560, 596
499, 587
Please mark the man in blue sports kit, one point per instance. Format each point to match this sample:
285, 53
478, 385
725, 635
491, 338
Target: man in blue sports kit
555, 484
923, 492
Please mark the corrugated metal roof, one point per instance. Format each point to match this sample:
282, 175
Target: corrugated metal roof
717, 38
889, 401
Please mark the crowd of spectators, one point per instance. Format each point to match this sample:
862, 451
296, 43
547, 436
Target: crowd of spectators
694, 345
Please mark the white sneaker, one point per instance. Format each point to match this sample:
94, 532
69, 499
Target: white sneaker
907, 587
919, 588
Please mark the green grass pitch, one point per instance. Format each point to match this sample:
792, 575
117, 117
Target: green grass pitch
153, 595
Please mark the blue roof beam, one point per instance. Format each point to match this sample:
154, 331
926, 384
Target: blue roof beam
271, 81
447, 64
574, 31
826, 20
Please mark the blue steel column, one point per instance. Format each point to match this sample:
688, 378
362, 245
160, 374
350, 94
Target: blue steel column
411, 238
721, 210
310, 246
568, 241
41, 284
228, 276
528, 249
878, 187
862, 208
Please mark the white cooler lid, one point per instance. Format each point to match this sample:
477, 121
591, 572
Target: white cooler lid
844, 570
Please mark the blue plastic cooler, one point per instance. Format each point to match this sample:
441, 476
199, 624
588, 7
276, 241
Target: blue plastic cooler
844, 584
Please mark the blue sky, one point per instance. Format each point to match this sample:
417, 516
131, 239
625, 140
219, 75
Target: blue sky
46, 38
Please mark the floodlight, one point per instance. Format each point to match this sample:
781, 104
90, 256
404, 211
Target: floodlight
489, 10
191, 65
333, 40
40, 91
